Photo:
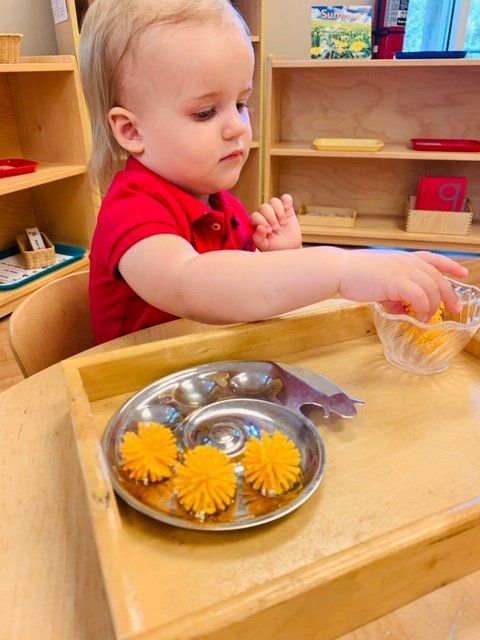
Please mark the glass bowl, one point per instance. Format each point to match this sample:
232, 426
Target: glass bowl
420, 347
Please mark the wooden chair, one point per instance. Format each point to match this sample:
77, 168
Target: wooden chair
51, 324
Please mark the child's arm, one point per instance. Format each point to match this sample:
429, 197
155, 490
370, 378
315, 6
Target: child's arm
222, 287
276, 226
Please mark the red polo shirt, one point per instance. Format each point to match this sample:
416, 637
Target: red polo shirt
140, 204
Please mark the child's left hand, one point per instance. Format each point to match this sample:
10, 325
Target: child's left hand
276, 226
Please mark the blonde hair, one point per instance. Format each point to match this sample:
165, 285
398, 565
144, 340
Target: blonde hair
109, 33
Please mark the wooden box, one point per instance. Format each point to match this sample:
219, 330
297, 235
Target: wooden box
327, 216
455, 223
396, 516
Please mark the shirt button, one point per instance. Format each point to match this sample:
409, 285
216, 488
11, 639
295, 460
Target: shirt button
216, 226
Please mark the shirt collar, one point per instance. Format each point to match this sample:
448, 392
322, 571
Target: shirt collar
194, 208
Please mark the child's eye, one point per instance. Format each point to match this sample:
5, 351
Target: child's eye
242, 106
201, 116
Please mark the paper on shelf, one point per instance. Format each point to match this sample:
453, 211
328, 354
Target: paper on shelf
12, 268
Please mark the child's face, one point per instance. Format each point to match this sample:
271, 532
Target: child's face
189, 94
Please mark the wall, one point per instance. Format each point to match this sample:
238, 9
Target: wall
288, 25
34, 19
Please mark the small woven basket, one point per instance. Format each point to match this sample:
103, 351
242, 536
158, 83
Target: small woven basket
10, 46
38, 258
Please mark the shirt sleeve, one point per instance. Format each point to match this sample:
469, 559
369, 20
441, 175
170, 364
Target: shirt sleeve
131, 215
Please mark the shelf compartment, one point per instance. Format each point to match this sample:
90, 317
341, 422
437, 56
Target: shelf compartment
371, 229
45, 172
394, 102
375, 186
391, 150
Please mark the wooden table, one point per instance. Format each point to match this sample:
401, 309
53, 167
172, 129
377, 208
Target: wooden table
50, 585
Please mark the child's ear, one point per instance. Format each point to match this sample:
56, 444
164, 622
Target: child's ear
124, 128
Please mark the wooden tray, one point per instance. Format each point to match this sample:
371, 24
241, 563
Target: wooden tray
397, 515
326, 216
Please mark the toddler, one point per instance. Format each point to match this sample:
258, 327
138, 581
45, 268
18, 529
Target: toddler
167, 84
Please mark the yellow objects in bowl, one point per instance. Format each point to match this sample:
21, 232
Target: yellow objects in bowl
421, 347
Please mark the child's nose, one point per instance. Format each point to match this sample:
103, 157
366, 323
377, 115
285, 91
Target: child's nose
236, 125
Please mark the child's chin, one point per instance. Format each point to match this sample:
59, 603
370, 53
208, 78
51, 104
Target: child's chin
224, 185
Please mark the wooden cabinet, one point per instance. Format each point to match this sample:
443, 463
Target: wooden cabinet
394, 100
42, 118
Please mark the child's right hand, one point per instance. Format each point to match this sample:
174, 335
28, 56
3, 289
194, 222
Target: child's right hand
395, 276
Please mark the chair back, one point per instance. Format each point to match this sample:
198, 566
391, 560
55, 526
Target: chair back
51, 324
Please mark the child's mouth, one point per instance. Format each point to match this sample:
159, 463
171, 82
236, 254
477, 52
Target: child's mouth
236, 155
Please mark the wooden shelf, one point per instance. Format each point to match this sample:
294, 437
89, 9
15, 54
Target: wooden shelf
45, 172
392, 100
43, 118
392, 151
40, 64
373, 229
278, 63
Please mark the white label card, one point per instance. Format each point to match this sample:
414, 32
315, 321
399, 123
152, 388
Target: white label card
60, 11
35, 238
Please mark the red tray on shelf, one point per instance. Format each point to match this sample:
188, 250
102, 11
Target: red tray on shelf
445, 144
16, 166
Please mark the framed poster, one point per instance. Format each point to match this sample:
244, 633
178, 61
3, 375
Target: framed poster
341, 31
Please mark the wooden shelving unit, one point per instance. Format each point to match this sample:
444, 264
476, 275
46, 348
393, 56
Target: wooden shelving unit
394, 100
42, 118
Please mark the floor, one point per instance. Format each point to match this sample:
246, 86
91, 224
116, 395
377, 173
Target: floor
10, 374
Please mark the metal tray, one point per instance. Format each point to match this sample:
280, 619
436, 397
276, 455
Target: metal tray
224, 404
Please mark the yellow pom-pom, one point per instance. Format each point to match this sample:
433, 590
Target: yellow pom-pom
427, 341
438, 316
206, 482
272, 464
150, 454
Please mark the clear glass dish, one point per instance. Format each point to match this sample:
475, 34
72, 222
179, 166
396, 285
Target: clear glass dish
420, 347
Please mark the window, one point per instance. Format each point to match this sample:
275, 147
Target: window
472, 36
443, 25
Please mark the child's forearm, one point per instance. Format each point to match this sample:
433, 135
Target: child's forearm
235, 286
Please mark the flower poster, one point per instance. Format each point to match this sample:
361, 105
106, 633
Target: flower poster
340, 31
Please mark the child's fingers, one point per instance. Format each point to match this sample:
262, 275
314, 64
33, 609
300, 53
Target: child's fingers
269, 214
393, 306
273, 212
416, 296
431, 288
449, 296
259, 220
444, 264
435, 265
287, 202
260, 238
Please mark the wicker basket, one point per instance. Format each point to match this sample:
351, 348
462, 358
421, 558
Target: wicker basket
10, 46
38, 258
